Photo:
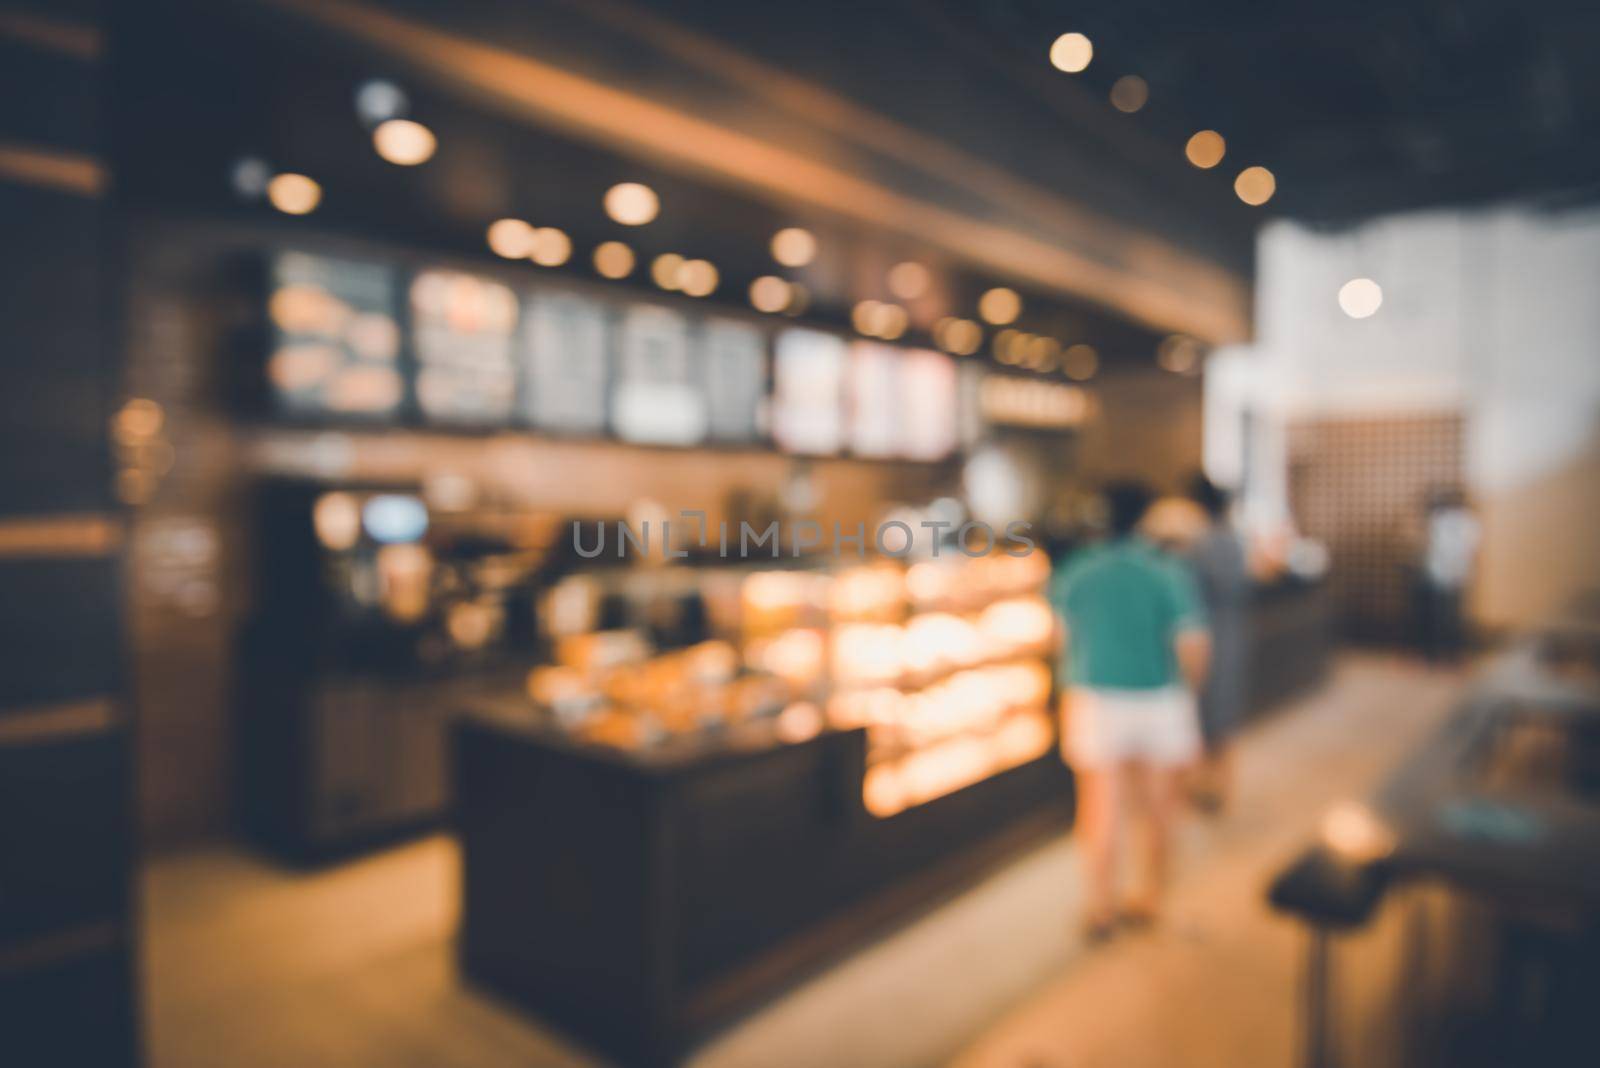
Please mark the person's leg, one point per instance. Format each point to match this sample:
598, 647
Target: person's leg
1100, 800
1162, 787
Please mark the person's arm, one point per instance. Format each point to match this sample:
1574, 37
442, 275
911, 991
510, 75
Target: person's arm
1193, 649
1191, 637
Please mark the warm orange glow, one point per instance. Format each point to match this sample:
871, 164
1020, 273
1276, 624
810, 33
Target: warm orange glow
769, 293
794, 247
1129, 93
664, 269
1206, 149
632, 203
864, 316
1255, 186
697, 278
890, 321
138, 420
908, 280
551, 247
1000, 306
962, 337
294, 194
511, 238
403, 142
1080, 362
1005, 345
799, 299
613, 259
1042, 353
1179, 354
1071, 52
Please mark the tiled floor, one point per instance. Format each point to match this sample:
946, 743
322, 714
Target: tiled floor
247, 966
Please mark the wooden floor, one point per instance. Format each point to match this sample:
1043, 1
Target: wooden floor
246, 965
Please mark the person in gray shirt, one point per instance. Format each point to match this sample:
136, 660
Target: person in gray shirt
1222, 574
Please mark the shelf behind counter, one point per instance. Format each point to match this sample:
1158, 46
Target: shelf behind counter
639, 899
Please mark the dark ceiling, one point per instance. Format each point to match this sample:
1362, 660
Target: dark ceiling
1360, 107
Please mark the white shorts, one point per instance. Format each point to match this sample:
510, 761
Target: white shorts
1102, 727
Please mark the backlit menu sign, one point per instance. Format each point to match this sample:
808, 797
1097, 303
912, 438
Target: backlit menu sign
929, 406
564, 364
808, 392
335, 342
733, 364
657, 398
874, 389
463, 328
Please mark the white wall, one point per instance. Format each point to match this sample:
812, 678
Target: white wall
1495, 314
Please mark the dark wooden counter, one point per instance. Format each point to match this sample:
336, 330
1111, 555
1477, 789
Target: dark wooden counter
639, 900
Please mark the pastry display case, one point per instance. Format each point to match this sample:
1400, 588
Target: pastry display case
656, 834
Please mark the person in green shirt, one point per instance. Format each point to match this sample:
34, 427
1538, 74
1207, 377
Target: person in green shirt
1134, 651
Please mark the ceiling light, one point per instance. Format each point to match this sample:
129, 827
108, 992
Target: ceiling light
1000, 306
799, 299
1255, 185
1360, 297
1205, 149
1071, 52
294, 194
962, 337
794, 247
908, 280
864, 316
697, 278
1179, 354
551, 247
1080, 361
613, 259
378, 101
403, 142
769, 293
1129, 93
664, 269
632, 203
1043, 353
511, 238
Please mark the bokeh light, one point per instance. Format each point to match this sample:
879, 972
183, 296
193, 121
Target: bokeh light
632, 203
403, 142
1206, 149
294, 194
613, 259
1000, 306
794, 247
511, 238
1255, 185
1071, 52
1360, 297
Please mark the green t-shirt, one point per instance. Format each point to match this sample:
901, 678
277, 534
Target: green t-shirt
1123, 602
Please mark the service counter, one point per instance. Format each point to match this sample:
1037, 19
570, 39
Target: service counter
1291, 638
639, 898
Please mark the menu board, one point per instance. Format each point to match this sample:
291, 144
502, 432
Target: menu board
462, 330
929, 406
808, 392
564, 364
875, 399
657, 398
335, 341
733, 362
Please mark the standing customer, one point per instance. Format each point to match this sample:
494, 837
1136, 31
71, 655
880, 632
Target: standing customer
1218, 559
1135, 649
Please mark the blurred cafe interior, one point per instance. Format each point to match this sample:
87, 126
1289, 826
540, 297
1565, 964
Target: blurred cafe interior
532, 532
